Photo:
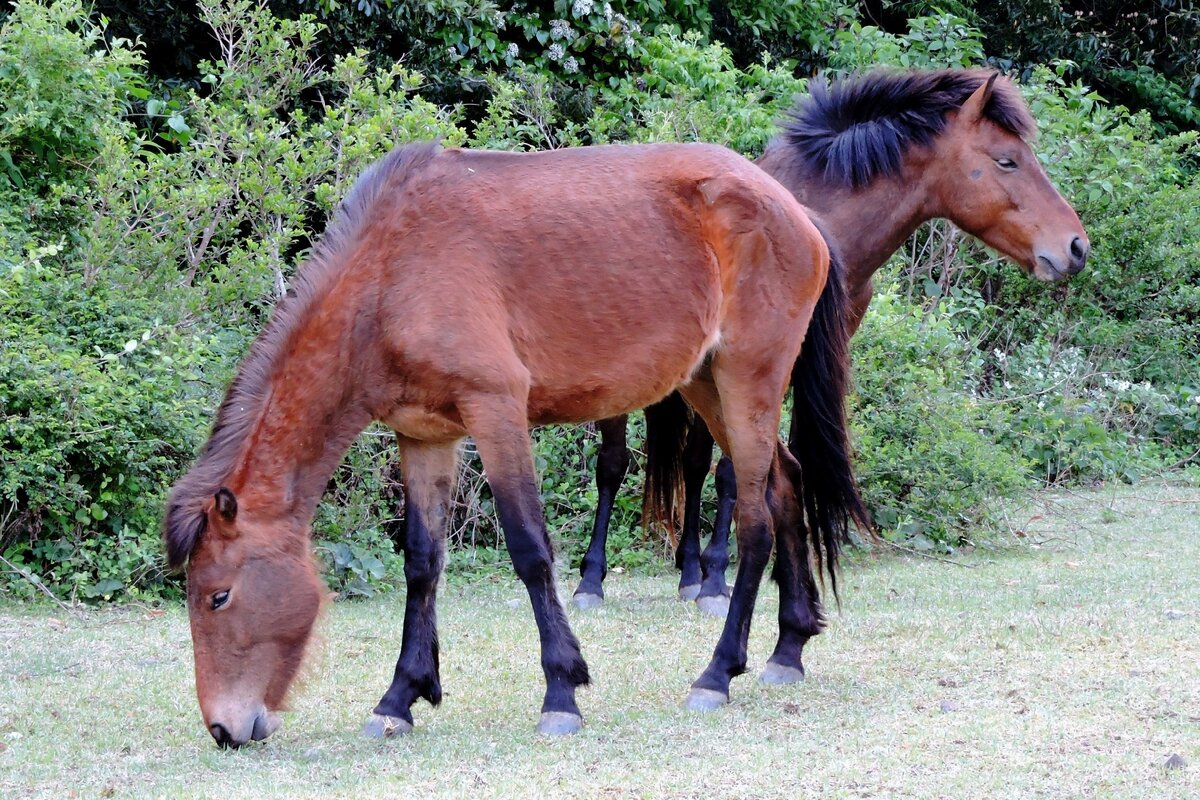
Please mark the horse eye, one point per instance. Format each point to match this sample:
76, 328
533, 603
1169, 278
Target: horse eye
1005, 163
219, 599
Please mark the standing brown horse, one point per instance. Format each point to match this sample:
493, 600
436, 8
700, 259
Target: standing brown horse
872, 158
475, 293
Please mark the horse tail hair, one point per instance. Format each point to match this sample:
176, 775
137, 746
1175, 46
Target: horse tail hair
818, 436
667, 425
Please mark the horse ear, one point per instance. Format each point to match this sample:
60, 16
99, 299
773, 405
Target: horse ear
226, 504
976, 104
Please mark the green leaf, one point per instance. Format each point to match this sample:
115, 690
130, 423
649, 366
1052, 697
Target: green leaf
103, 588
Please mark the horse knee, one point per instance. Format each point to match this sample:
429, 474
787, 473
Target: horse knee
422, 564
532, 560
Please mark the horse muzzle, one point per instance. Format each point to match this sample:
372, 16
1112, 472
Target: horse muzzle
236, 732
1051, 267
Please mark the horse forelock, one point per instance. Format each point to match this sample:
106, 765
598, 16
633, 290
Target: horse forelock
184, 522
857, 129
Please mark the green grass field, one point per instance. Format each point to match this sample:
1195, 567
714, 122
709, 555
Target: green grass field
1064, 663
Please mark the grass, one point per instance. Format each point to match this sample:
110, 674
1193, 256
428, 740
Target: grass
1046, 669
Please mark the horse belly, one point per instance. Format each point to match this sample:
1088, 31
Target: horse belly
628, 358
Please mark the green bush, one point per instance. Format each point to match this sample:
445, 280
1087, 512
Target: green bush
927, 458
98, 407
686, 90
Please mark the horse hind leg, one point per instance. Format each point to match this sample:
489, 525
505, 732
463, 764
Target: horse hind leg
429, 471
500, 428
696, 462
611, 464
746, 426
714, 592
800, 614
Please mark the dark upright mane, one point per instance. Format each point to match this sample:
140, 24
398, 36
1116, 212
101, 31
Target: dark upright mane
185, 520
857, 129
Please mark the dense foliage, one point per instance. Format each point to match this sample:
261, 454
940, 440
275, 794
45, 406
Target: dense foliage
162, 176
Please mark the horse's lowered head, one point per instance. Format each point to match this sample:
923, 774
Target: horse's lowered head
253, 598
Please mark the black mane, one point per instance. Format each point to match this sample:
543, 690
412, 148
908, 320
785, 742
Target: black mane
857, 129
185, 520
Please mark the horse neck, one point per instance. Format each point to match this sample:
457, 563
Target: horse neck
869, 223
314, 408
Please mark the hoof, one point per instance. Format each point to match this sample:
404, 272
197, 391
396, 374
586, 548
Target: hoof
705, 700
586, 600
383, 727
689, 592
717, 606
559, 723
780, 674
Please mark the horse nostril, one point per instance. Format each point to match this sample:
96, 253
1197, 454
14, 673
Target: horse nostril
1079, 250
220, 734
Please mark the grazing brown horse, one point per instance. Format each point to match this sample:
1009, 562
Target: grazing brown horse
872, 158
477, 293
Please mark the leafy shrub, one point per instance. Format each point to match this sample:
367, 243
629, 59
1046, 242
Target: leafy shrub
229, 214
929, 465
686, 90
59, 86
938, 40
98, 408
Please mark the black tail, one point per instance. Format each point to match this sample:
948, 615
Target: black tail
818, 436
667, 424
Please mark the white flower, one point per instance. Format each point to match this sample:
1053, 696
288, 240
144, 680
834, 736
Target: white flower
555, 52
582, 8
608, 12
511, 50
560, 29
570, 65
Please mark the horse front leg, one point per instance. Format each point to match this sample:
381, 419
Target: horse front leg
499, 427
429, 472
611, 464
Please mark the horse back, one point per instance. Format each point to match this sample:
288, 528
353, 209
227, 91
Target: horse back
564, 273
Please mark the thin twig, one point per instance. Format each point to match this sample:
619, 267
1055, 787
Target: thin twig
37, 582
1180, 463
912, 552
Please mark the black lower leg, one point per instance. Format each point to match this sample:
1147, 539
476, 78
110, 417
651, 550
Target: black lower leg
697, 460
729, 657
611, 463
416, 672
800, 616
525, 534
715, 559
